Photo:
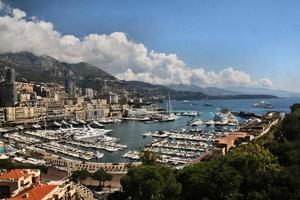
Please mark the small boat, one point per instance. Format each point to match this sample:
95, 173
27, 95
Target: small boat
73, 122
36, 126
99, 155
96, 124
56, 124
106, 120
192, 114
80, 121
207, 104
210, 122
197, 122
64, 123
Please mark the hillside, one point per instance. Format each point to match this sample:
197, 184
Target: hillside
47, 69
212, 91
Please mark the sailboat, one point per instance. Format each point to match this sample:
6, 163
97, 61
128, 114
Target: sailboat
170, 116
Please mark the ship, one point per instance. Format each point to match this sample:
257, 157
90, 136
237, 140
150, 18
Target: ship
262, 104
92, 133
170, 116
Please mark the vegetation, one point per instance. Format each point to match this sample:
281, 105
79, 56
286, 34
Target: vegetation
267, 168
101, 175
80, 175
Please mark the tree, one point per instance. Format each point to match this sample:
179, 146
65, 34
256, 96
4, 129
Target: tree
80, 175
101, 175
210, 180
149, 182
148, 158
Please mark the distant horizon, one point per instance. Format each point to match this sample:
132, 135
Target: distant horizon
208, 44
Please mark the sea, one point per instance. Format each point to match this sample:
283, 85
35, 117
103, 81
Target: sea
130, 132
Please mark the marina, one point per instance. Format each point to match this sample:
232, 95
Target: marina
177, 142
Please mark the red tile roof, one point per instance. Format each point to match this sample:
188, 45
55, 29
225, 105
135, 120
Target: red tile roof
35, 193
14, 174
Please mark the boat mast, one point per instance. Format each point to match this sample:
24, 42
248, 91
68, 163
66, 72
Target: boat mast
170, 105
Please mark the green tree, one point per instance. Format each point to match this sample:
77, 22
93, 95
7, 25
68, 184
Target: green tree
210, 180
101, 175
149, 158
151, 183
80, 175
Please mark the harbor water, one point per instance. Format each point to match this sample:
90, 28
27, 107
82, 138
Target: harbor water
130, 132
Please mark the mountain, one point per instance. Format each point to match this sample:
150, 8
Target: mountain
44, 68
267, 91
47, 69
212, 91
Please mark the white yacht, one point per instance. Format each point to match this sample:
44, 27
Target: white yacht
96, 124
197, 122
170, 116
92, 133
56, 124
262, 104
106, 120
64, 123
192, 114
99, 155
220, 119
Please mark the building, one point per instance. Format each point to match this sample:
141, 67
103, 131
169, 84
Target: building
70, 88
88, 92
24, 184
110, 97
8, 90
229, 141
17, 180
23, 115
2, 115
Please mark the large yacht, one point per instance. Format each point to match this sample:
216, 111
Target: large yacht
262, 104
92, 133
170, 116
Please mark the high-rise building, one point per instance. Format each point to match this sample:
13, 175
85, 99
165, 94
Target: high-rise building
69, 86
8, 91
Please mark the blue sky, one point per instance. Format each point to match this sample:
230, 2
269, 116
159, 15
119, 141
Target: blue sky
259, 37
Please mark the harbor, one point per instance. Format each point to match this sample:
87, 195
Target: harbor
177, 142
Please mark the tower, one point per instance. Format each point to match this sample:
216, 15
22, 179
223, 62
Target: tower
8, 89
69, 86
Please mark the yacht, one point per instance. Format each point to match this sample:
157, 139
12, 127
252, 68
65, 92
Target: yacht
210, 122
192, 114
91, 133
96, 124
73, 122
64, 123
106, 120
99, 155
220, 119
197, 122
36, 126
262, 104
170, 116
56, 124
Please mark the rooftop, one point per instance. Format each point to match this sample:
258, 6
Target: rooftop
37, 192
16, 174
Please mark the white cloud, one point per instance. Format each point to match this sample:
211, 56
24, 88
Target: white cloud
17, 13
114, 53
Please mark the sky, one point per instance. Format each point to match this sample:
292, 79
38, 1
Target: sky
203, 42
